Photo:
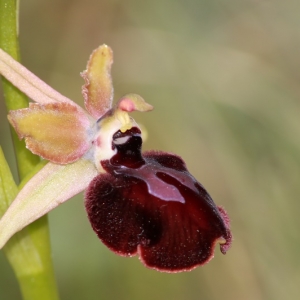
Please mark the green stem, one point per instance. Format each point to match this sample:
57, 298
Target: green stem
14, 99
33, 267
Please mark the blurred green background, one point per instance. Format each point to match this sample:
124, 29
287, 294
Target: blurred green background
223, 77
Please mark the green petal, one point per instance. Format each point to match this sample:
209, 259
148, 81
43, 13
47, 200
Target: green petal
53, 185
98, 89
55, 131
133, 102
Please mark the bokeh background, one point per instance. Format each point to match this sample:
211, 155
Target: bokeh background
223, 77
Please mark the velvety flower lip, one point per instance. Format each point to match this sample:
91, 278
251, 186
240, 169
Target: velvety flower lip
138, 203
152, 206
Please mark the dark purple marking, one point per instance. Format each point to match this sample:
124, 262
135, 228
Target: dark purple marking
151, 205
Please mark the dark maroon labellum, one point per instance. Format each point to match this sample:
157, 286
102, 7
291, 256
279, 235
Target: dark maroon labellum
151, 205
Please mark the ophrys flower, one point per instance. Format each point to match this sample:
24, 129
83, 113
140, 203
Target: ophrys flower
137, 203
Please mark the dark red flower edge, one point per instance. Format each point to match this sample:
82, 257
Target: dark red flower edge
152, 206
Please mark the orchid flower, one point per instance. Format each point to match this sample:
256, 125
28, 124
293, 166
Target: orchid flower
138, 203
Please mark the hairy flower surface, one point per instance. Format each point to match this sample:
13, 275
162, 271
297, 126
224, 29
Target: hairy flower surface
137, 203
150, 204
